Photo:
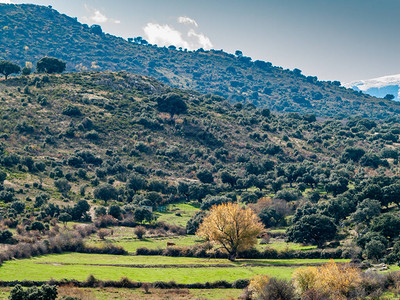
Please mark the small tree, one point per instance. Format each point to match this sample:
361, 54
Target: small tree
105, 192
115, 211
136, 182
3, 176
389, 97
171, 103
139, 231
234, 228
63, 186
50, 65
65, 218
205, 176
143, 214
375, 249
26, 71
315, 229
8, 68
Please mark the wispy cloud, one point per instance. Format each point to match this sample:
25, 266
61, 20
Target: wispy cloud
97, 17
187, 37
187, 20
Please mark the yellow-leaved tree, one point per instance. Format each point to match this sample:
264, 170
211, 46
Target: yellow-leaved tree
234, 228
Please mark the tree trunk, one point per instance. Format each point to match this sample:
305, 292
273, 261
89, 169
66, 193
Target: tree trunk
232, 256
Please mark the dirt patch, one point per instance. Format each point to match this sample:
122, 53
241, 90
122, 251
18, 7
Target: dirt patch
184, 265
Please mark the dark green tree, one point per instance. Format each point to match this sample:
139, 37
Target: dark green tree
375, 249
115, 211
193, 224
229, 178
65, 218
7, 68
63, 186
105, 192
389, 97
366, 210
80, 210
205, 176
387, 224
171, 103
136, 182
313, 229
143, 214
50, 65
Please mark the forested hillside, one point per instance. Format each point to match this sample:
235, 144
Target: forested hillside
133, 142
28, 32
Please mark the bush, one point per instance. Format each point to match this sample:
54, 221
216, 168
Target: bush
240, 283
338, 281
44, 292
139, 231
72, 111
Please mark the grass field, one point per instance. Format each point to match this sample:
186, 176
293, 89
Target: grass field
143, 268
186, 212
130, 244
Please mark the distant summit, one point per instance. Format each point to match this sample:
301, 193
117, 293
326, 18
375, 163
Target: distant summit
378, 87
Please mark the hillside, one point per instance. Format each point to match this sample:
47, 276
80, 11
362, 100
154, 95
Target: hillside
115, 116
119, 154
28, 32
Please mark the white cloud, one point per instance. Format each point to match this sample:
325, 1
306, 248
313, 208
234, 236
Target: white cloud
202, 40
167, 35
164, 35
97, 17
6, 1
187, 20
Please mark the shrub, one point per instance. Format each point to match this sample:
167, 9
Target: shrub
338, 281
240, 283
72, 111
139, 231
44, 292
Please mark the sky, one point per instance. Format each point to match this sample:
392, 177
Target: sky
343, 40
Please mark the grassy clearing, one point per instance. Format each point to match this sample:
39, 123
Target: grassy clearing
186, 211
131, 244
281, 245
32, 269
22, 270
84, 258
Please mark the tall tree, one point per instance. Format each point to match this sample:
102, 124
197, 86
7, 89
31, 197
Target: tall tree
234, 228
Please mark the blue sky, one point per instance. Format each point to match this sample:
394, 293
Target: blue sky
342, 40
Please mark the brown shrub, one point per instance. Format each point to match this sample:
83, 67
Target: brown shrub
139, 231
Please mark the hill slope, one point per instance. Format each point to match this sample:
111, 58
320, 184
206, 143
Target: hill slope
58, 120
28, 32
74, 142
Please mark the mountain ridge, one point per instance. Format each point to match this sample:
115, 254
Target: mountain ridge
29, 32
